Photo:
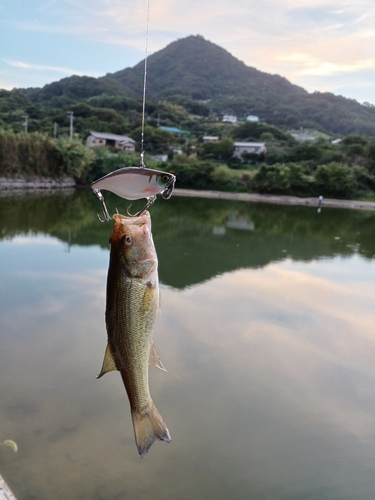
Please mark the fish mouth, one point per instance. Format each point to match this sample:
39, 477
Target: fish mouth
168, 190
133, 220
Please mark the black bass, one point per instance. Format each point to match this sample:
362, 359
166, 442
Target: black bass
134, 183
132, 305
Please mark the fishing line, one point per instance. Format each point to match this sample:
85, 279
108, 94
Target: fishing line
144, 87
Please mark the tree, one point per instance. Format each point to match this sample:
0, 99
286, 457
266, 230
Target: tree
220, 150
335, 180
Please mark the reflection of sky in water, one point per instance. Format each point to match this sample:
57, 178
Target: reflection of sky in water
270, 390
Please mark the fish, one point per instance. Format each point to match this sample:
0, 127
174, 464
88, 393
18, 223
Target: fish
132, 304
134, 183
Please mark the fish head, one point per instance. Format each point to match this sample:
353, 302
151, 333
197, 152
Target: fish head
132, 241
159, 182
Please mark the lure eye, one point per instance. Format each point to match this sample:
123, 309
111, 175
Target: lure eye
127, 240
165, 178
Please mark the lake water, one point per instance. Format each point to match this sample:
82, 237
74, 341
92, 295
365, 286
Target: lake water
266, 330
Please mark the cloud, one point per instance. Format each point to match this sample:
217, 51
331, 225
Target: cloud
39, 67
314, 66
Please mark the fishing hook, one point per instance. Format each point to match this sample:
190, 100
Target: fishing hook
100, 197
150, 201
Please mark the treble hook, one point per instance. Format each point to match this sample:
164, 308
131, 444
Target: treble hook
150, 201
100, 197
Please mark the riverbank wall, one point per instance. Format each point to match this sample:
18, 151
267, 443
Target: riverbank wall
276, 199
35, 183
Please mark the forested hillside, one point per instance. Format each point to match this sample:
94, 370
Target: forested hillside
201, 79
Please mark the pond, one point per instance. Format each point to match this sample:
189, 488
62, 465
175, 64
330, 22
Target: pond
266, 330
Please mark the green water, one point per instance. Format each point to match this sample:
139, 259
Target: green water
266, 330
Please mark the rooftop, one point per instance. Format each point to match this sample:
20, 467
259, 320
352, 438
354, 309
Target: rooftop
111, 137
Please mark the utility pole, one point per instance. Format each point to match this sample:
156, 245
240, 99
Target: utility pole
55, 130
26, 122
70, 115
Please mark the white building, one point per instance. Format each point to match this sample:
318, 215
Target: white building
210, 138
241, 148
229, 119
252, 118
122, 142
303, 135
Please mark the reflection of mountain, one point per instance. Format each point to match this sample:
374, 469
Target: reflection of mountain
197, 239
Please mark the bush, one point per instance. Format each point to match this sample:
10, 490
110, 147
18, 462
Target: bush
192, 174
76, 157
225, 179
32, 154
221, 150
335, 180
281, 179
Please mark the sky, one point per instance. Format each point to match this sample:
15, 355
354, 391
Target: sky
320, 45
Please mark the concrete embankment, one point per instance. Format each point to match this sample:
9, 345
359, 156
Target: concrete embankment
276, 199
35, 183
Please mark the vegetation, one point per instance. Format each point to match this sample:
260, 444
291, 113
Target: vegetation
190, 84
191, 80
344, 170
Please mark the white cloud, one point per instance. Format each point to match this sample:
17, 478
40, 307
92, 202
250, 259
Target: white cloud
39, 67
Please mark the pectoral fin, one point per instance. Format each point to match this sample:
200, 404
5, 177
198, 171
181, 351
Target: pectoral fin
155, 360
109, 364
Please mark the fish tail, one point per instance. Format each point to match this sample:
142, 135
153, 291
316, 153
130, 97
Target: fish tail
148, 428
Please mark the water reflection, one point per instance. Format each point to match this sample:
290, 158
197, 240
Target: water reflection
267, 335
248, 235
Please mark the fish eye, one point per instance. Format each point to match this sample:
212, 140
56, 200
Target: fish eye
165, 178
127, 240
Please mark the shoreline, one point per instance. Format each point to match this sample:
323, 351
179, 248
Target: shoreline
43, 184
28, 183
277, 199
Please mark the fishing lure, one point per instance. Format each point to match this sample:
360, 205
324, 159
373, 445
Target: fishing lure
134, 183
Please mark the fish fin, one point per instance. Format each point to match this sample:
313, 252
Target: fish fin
109, 364
148, 428
154, 359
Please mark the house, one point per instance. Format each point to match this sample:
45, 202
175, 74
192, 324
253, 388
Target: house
244, 148
303, 135
159, 157
122, 142
229, 119
210, 138
252, 118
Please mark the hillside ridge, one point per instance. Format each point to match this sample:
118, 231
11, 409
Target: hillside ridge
194, 70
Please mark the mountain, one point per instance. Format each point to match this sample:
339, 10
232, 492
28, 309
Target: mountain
76, 88
196, 68
191, 70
